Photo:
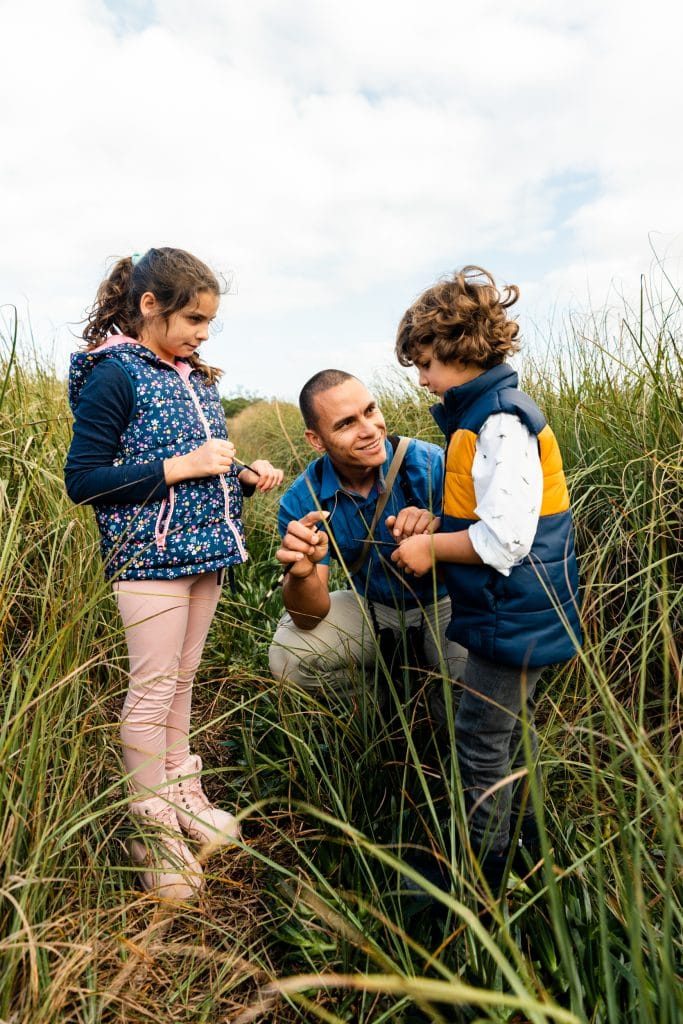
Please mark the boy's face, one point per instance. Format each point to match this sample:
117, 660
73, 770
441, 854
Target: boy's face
438, 377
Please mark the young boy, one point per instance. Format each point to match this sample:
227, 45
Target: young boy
505, 544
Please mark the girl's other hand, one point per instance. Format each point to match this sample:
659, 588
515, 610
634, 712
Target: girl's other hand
264, 478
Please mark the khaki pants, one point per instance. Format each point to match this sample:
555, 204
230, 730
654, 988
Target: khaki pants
327, 657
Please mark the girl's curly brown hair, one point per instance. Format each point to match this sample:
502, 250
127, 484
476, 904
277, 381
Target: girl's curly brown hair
175, 278
464, 318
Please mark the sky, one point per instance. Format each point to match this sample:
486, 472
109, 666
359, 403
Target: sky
334, 160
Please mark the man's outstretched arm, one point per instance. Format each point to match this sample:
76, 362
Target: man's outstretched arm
305, 589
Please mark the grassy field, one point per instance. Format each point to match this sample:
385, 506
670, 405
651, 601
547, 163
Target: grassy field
303, 921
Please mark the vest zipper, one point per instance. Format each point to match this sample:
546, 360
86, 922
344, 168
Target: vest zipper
226, 490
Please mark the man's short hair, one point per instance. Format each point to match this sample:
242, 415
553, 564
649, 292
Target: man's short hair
319, 382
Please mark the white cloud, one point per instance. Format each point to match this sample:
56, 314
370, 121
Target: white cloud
335, 158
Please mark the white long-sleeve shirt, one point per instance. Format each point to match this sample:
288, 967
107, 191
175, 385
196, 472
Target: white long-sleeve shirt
508, 486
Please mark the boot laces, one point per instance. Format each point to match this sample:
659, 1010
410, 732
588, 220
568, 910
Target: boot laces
169, 837
192, 796
166, 816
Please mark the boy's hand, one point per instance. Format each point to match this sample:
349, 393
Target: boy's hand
264, 478
415, 554
411, 521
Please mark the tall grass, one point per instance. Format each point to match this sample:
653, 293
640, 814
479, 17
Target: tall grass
304, 921
76, 935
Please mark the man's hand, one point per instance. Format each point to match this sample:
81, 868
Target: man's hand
415, 554
412, 521
303, 545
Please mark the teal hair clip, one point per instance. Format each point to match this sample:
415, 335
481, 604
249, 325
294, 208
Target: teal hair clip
135, 258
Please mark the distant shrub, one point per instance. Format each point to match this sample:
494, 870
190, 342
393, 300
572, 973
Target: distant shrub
272, 430
234, 405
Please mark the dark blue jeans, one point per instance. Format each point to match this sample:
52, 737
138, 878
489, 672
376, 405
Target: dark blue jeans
489, 740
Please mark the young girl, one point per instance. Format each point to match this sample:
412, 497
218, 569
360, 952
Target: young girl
505, 541
150, 452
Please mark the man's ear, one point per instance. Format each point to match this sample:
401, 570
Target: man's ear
315, 441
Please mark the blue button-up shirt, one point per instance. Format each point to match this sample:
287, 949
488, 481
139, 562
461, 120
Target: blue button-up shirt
378, 579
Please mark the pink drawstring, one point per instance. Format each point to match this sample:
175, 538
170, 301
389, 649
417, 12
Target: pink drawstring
160, 531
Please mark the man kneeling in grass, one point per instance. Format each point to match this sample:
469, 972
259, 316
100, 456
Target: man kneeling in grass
350, 505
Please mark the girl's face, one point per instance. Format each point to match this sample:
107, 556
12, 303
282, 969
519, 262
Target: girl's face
183, 332
438, 377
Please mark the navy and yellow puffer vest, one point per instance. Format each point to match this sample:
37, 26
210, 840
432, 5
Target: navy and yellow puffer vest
529, 618
197, 528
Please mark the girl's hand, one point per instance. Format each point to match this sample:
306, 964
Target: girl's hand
415, 554
265, 477
211, 458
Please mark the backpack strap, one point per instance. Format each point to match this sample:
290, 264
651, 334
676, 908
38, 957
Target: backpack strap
399, 447
396, 463
408, 493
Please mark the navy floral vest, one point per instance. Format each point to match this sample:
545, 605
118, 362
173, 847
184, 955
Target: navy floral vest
198, 527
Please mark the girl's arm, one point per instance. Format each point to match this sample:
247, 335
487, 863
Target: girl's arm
213, 458
104, 409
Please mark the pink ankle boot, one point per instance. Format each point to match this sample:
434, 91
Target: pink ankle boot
208, 825
167, 866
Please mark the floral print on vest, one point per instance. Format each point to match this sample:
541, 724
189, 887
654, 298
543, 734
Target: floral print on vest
198, 527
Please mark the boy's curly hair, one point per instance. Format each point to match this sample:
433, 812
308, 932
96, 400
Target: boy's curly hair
464, 318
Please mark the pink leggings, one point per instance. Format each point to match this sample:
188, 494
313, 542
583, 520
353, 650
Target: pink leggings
166, 624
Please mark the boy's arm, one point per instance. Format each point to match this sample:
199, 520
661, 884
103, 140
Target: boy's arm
508, 485
418, 554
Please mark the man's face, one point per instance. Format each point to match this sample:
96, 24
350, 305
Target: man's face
350, 428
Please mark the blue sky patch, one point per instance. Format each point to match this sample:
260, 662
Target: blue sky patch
131, 16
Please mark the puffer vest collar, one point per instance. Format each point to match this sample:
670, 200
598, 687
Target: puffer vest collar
457, 401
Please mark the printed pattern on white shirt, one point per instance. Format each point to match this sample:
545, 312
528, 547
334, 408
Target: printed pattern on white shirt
508, 486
